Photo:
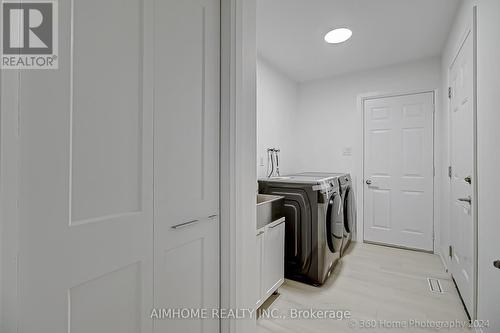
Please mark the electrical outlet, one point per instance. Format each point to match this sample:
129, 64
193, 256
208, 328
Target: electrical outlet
347, 151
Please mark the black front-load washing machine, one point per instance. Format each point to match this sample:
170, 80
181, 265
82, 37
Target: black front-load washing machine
313, 225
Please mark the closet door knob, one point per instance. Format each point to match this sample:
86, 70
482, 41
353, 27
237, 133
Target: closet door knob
496, 263
368, 182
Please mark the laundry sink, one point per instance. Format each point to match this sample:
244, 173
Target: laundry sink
269, 209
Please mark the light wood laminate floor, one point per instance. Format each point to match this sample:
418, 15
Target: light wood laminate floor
374, 283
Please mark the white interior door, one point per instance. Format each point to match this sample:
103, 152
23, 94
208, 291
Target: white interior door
398, 170
186, 104
86, 175
461, 144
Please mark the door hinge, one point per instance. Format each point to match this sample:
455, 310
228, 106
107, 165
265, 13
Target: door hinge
450, 251
449, 172
449, 92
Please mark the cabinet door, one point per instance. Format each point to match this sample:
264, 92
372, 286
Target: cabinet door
274, 255
259, 256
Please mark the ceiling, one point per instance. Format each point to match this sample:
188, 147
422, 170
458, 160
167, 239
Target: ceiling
385, 32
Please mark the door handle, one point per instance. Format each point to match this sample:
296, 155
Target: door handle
496, 263
468, 199
192, 222
277, 224
468, 179
185, 224
368, 182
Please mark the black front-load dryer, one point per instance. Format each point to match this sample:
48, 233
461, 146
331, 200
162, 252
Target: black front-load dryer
348, 203
313, 227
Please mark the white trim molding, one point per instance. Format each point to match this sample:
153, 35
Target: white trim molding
238, 160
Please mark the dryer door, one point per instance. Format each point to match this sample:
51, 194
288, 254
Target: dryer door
349, 210
334, 223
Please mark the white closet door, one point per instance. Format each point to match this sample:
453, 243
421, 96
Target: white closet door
186, 104
398, 157
86, 162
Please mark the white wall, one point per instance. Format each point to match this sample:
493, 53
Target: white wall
488, 120
328, 120
328, 115
276, 112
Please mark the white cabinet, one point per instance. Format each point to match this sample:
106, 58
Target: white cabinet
271, 258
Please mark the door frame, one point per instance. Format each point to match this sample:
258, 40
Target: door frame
9, 193
360, 163
238, 159
470, 31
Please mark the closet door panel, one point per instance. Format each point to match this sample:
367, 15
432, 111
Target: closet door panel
186, 104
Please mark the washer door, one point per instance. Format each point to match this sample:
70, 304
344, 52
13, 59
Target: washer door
334, 225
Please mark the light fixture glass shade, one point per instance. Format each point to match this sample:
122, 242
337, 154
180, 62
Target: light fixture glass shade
338, 35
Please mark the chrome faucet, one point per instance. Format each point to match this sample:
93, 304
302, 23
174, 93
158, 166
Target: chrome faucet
273, 169
276, 155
